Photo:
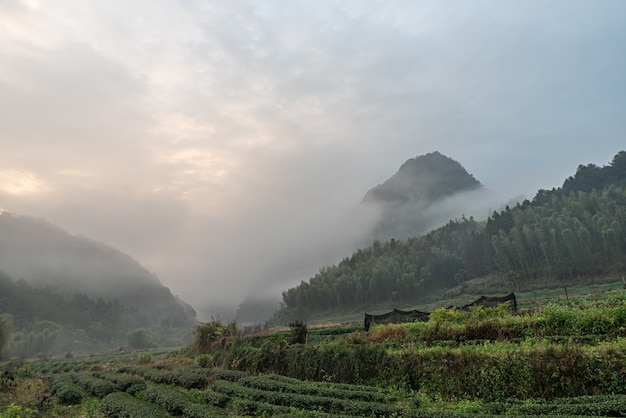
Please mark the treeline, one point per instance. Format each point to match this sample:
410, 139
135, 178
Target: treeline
28, 305
38, 321
569, 232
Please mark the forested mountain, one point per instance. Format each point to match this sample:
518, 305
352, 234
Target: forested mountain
45, 255
577, 230
409, 200
91, 292
417, 198
42, 321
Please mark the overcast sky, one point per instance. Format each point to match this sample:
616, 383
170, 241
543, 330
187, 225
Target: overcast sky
224, 144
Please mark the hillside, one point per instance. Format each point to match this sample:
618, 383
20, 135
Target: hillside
411, 200
50, 275
574, 232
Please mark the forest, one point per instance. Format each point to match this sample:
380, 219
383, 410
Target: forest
38, 321
567, 233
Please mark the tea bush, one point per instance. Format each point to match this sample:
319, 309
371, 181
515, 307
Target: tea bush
97, 387
172, 400
122, 382
351, 393
123, 405
231, 375
210, 398
66, 392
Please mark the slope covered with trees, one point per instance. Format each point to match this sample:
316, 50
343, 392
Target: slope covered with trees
44, 255
38, 320
60, 293
578, 230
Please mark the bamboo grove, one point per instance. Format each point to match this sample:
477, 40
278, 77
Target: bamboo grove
577, 230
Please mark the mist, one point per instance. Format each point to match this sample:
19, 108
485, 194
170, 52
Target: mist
226, 146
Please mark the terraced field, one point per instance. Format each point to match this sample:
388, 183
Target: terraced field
566, 359
125, 386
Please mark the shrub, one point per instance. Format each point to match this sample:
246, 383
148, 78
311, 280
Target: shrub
123, 381
333, 391
191, 380
172, 400
97, 387
298, 332
247, 407
561, 320
31, 392
144, 358
17, 411
194, 410
123, 405
204, 360
387, 332
138, 339
209, 397
206, 335
232, 375
66, 392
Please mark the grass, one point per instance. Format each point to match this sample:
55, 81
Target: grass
551, 358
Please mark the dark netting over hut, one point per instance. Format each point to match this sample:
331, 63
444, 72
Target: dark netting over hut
492, 302
397, 316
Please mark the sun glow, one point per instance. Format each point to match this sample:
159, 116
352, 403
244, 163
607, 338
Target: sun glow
21, 183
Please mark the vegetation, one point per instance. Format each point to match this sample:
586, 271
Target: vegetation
298, 332
485, 355
38, 321
565, 359
577, 231
66, 293
6, 329
562, 358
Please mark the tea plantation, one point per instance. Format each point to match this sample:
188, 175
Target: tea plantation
563, 359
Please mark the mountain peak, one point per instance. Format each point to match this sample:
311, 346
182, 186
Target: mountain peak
428, 178
412, 200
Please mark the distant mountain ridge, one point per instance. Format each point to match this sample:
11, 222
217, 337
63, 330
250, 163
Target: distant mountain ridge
47, 256
415, 200
564, 236
406, 197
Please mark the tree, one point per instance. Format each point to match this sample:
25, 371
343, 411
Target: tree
6, 330
358, 294
138, 339
298, 332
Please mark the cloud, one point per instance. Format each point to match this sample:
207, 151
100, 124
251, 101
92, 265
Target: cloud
225, 144
19, 183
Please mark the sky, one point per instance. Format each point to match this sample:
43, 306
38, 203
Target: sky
225, 144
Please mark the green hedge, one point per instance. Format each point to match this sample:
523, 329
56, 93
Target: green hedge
601, 405
203, 411
210, 398
123, 405
328, 404
182, 403
123, 382
187, 379
232, 375
247, 407
97, 387
345, 392
66, 392
491, 374
172, 400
